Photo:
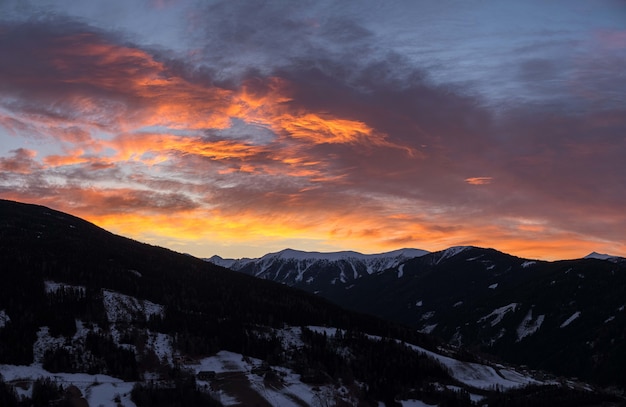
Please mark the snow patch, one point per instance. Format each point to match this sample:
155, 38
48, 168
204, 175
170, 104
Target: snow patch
401, 270
570, 319
4, 318
323, 330
98, 390
493, 286
527, 264
529, 326
52, 287
124, 308
428, 329
499, 313
44, 342
480, 376
474, 374
162, 346
292, 393
451, 252
458, 304
415, 403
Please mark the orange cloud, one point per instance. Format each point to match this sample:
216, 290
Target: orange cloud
479, 180
308, 177
75, 157
314, 128
173, 219
134, 146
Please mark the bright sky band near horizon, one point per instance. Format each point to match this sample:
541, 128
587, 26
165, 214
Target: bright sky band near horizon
240, 128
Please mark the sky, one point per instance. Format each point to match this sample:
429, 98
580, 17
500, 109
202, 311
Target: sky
240, 128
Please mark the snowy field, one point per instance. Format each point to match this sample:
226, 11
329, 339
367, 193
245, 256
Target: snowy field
98, 390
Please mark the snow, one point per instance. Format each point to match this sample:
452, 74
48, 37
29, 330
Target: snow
102, 389
373, 262
124, 308
329, 331
480, 376
458, 304
292, 394
223, 361
98, 390
609, 319
499, 313
528, 326
493, 286
570, 319
162, 346
401, 270
472, 374
335, 256
103, 394
82, 331
290, 337
233, 264
451, 252
419, 303
415, 403
53, 286
4, 318
44, 342
599, 256
528, 263
428, 329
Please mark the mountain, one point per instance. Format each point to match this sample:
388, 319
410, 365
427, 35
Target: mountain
601, 256
313, 271
567, 317
91, 318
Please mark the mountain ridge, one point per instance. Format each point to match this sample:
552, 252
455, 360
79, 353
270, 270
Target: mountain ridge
494, 302
123, 322
289, 253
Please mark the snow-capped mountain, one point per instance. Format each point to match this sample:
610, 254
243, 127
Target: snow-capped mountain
543, 314
314, 271
602, 256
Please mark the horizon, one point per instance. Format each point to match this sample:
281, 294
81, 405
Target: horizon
304, 250
240, 129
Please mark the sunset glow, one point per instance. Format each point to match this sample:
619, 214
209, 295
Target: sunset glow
369, 130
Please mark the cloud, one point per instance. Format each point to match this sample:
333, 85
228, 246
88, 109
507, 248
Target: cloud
305, 129
21, 162
479, 180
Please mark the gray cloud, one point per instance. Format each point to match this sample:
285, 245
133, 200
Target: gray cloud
552, 150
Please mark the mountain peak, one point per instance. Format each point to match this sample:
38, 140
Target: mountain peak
601, 256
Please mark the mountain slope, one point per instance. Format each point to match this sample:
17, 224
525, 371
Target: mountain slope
93, 311
568, 317
314, 271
